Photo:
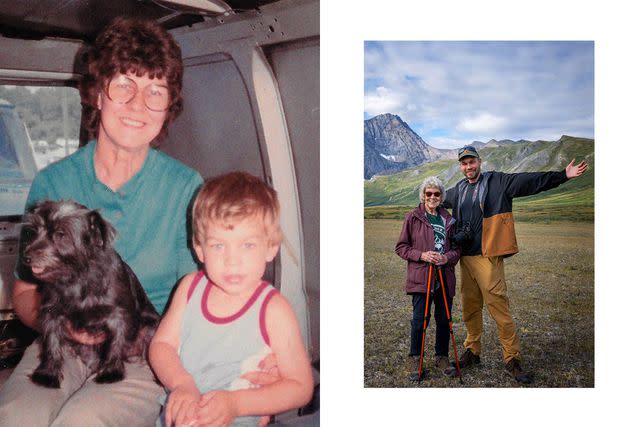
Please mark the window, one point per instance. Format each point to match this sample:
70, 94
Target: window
38, 125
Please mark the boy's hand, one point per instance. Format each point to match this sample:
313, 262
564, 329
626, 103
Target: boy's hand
181, 406
216, 409
268, 373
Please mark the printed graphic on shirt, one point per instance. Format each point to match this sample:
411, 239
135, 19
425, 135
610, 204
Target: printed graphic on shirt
439, 231
439, 241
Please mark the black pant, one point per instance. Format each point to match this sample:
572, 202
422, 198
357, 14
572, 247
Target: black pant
442, 324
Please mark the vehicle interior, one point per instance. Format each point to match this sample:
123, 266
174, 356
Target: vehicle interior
251, 102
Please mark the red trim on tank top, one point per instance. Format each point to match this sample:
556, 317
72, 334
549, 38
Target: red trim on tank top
263, 311
194, 283
221, 320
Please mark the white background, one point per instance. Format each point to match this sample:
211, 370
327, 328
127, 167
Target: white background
614, 28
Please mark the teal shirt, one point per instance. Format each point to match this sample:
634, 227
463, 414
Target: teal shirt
149, 213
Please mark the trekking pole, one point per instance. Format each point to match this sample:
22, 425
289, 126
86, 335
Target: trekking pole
446, 306
424, 325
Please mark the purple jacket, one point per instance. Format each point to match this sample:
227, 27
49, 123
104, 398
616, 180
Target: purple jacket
417, 236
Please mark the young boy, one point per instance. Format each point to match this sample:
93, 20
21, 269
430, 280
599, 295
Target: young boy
222, 321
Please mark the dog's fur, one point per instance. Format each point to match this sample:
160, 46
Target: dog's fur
84, 285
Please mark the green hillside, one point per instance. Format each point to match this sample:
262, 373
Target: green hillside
401, 188
391, 196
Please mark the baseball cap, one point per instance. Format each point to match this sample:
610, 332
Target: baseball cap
467, 151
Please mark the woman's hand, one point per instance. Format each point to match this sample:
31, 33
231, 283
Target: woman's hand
433, 258
268, 373
430, 257
443, 260
216, 409
182, 406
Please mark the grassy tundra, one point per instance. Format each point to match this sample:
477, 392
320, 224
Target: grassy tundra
550, 286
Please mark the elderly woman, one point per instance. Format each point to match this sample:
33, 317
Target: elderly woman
426, 238
131, 94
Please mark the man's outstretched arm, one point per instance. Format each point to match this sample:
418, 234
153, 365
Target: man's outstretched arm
530, 183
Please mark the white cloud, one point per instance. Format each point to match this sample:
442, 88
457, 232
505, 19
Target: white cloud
483, 90
382, 101
482, 122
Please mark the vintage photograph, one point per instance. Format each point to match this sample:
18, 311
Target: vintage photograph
159, 213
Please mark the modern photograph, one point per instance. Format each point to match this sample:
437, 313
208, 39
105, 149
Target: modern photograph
479, 214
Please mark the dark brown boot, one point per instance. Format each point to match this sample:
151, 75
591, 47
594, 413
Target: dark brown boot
514, 369
469, 359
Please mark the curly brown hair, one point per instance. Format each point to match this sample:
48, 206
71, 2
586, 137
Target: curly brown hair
131, 45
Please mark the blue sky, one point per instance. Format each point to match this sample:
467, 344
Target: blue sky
453, 93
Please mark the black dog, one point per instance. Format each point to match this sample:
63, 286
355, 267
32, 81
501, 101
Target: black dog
84, 286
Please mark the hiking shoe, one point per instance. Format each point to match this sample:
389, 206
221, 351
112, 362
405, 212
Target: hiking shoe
451, 371
468, 359
413, 366
442, 362
514, 369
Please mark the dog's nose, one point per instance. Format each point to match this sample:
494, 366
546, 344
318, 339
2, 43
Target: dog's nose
26, 259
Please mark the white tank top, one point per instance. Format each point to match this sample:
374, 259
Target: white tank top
217, 350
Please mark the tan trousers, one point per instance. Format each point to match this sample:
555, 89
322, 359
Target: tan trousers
483, 283
79, 401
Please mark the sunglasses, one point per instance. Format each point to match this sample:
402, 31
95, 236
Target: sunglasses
434, 194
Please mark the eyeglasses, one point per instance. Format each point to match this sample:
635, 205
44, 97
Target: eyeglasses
122, 90
434, 194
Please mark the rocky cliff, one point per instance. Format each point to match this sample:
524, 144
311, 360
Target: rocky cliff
390, 146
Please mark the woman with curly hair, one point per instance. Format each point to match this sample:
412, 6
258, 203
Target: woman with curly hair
130, 94
426, 239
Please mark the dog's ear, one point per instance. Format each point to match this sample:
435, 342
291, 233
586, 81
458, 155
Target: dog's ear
102, 232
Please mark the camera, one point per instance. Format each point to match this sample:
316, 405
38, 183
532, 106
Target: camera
463, 234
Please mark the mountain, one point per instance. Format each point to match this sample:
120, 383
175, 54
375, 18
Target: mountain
390, 146
521, 156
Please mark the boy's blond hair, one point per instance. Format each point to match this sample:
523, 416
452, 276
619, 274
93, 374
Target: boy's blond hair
233, 197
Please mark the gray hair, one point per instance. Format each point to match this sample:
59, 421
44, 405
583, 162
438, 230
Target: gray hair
432, 182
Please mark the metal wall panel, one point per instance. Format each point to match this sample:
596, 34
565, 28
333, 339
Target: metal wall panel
216, 132
296, 67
